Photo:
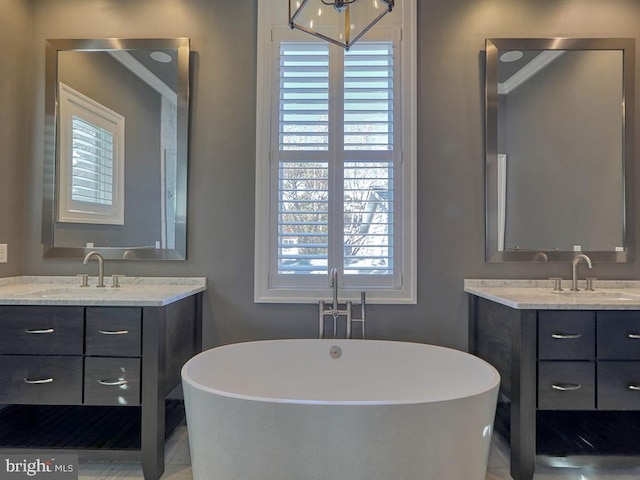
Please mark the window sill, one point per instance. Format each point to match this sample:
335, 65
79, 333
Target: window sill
382, 297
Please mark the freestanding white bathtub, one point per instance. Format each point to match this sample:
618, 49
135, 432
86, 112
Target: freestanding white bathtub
339, 409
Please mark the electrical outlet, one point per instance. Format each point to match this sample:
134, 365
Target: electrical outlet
3, 253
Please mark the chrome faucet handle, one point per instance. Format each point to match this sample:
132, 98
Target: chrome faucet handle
557, 283
116, 281
589, 287
84, 278
363, 303
321, 319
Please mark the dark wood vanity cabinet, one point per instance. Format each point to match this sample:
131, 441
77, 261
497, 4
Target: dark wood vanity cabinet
566, 354
90, 356
36, 330
556, 361
114, 331
113, 347
70, 355
588, 360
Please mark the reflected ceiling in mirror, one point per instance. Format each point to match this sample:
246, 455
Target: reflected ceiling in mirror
559, 149
116, 148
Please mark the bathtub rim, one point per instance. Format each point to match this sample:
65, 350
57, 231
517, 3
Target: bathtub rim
186, 378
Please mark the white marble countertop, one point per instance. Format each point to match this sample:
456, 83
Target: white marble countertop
539, 294
134, 291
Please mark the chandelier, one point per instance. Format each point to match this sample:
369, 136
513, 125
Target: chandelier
341, 22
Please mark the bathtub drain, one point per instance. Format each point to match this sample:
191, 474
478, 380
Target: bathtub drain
335, 352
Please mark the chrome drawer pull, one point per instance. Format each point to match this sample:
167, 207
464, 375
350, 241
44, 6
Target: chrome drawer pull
39, 381
113, 332
38, 330
113, 382
634, 387
566, 387
634, 336
566, 336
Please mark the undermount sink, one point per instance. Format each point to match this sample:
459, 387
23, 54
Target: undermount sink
599, 295
128, 291
69, 291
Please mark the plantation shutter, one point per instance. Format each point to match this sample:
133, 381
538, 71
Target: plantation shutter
92, 169
303, 144
333, 182
368, 159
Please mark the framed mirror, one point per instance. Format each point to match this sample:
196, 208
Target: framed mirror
116, 148
559, 129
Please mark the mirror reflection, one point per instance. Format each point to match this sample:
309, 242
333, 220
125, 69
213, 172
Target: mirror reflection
558, 143
119, 152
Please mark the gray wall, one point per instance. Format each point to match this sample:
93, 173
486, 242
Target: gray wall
451, 36
15, 38
105, 80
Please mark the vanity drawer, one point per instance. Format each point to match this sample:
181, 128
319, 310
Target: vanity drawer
40, 379
566, 335
618, 385
114, 331
41, 330
618, 335
111, 381
566, 385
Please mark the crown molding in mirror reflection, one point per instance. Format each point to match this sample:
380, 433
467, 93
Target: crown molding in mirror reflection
500, 246
155, 168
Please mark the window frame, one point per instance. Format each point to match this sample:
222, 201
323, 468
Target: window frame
404, 291
74, 103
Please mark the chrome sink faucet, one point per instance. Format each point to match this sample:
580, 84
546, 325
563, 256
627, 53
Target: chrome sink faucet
100, 259
574, 264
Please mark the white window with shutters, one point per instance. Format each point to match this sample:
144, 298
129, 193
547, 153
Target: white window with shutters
336, 169
90, 161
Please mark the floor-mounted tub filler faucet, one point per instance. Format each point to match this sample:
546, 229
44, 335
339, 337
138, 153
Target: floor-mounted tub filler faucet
574, 264
100, 259
334, 311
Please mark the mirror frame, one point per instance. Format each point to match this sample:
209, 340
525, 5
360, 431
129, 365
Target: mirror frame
493, 45
53, 46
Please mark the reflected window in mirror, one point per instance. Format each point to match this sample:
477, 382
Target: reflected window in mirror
91, 180
559, 142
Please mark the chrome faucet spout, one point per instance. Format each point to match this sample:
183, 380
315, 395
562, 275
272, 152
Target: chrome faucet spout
334, 284
574, 265
100, 259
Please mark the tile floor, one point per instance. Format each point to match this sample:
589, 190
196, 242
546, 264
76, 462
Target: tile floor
178, 466
177, 463
499, 468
